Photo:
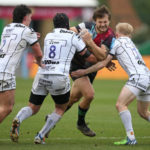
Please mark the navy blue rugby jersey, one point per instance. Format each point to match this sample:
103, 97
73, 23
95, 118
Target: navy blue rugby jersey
105, 38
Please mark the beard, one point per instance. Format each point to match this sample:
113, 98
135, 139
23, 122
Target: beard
102, 28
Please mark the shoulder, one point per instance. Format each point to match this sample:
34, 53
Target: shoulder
117, 43
29, 32
110, 32
29, 29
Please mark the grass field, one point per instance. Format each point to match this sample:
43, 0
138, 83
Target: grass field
102, 117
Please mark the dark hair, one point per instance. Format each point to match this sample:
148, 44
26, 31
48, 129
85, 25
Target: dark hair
61, 20
101, 12
20, 12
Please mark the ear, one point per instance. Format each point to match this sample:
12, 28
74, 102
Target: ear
25, 18
117, 34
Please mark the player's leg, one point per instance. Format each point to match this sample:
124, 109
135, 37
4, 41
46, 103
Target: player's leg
7, 99
143, 109
35, 101
33, 107
75, 94
61, 102
124, 99
143, 104
88, 95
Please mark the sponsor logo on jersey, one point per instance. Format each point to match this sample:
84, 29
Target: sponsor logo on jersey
2, 55
20, 25
66, 31
50, 62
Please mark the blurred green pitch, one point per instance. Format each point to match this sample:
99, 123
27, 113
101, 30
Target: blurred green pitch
102, 117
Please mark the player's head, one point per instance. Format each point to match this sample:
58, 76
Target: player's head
125, 29
102, 18
22, 13
61, 20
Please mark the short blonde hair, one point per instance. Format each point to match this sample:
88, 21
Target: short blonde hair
124, 28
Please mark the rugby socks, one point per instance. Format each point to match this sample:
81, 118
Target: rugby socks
24, 113
127, 122
50, 123
148, 118
81, 116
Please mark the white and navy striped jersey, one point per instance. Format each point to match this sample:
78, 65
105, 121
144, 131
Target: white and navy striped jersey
59, 49
15, 38
129, 57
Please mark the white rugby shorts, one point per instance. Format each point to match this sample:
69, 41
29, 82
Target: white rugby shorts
7, 81
53, 84
139, 85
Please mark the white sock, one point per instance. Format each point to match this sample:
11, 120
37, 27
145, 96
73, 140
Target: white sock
24, 113
148, 118
127, 122
50, 123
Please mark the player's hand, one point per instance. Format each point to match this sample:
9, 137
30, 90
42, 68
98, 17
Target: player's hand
78, 73
39, 64
38, 35
111, 66
86, 36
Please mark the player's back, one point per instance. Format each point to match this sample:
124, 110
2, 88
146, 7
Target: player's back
129, 57
59, 49
13, 42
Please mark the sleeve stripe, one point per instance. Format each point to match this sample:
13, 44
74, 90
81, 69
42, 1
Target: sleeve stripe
33, 43
111, 54
81, 50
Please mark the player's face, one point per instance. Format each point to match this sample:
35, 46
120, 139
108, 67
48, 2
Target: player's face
102, 24
28, 19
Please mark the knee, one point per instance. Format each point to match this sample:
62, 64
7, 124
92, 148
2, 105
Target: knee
73, 99
7, 110
120, 107
89, 96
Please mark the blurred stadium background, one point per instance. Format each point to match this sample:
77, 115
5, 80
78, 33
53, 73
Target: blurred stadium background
132, 11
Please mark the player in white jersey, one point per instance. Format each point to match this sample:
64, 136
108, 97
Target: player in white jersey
16, 36
59, 49
138, 85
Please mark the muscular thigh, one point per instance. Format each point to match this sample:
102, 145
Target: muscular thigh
143, 106
126, 96
7, 98
84, 86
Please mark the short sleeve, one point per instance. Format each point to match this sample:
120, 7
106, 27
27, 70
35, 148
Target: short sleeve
78, 43
114, 47
30, 36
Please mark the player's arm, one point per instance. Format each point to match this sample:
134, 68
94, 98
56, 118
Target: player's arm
37, 53
93, 68
74, 29
88, 56
99, 52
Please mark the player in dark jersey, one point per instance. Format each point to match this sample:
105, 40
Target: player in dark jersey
82, 87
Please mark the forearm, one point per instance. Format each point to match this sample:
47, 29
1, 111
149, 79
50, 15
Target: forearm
37, 53
99, 52
95, 67
99, 65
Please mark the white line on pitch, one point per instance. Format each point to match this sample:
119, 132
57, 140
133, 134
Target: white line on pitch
97, 138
